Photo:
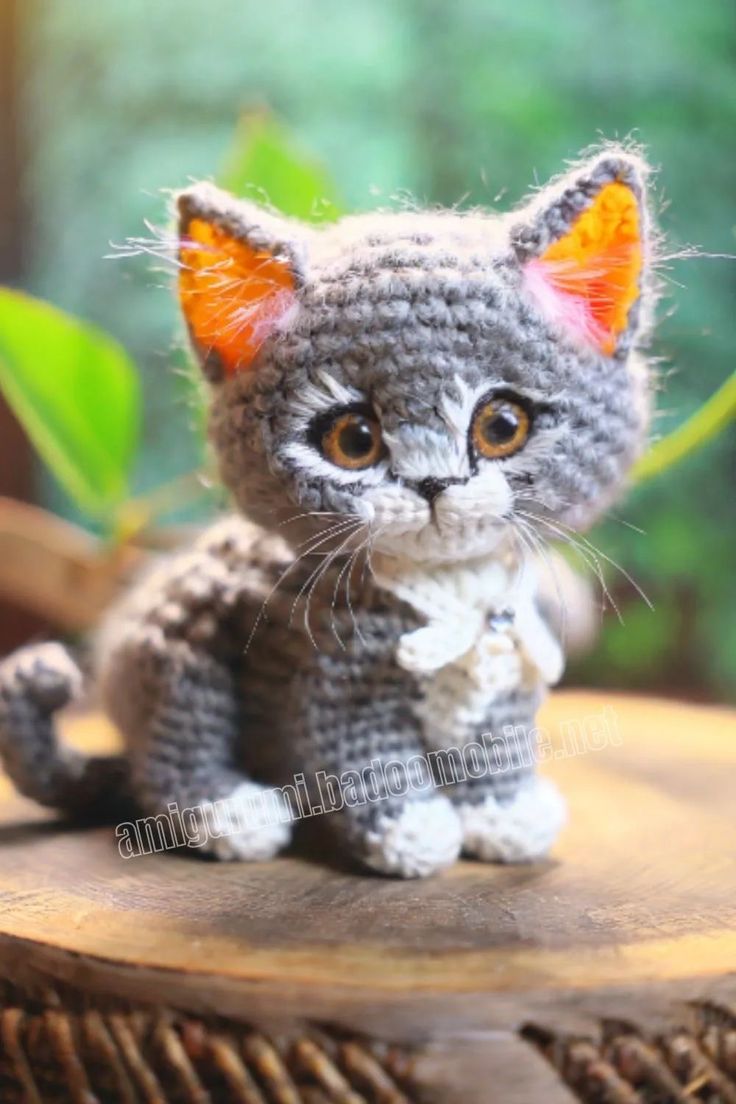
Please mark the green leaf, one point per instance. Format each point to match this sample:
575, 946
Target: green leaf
266, 164
712, 417
76, 393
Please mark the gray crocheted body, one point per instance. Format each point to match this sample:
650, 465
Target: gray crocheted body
404, 407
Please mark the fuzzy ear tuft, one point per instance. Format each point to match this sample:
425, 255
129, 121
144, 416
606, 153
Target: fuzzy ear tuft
584, 251
238, 277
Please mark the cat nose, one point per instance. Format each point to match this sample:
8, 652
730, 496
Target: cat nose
430, 488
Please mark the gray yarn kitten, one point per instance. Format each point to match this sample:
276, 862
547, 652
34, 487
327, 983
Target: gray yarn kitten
404, 407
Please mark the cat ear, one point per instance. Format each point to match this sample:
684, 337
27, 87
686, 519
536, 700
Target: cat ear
584, 251
240, 269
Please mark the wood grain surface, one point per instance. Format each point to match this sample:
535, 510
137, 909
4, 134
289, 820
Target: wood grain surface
632, 918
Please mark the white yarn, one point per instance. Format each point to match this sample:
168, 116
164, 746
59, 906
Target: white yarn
520, 831
468, 662
424, 838
263, 824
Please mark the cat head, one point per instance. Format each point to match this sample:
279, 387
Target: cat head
436, 376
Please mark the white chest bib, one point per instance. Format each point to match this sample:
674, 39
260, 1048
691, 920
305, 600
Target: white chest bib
484, 638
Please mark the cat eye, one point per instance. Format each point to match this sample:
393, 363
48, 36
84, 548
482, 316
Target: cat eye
350, 438
500, 427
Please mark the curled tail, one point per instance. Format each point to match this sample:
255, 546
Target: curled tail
35, 683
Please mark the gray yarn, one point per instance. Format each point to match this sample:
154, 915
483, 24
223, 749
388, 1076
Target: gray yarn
211, 668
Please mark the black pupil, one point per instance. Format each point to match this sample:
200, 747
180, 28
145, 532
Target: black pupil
500, 427
356, 438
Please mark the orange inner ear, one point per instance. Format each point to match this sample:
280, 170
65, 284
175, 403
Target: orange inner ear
600, 260
232, 296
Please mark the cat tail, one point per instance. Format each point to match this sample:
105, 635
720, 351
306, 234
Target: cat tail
35, 683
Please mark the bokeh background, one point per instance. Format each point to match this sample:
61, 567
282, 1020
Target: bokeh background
464, 103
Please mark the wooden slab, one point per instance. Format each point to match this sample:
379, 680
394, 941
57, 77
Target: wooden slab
632, 918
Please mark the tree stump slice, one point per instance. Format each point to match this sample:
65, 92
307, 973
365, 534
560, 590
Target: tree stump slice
604, 974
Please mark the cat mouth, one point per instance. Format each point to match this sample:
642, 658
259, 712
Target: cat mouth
461, 536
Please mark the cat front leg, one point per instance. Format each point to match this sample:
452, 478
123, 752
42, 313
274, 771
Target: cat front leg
368, 769
508, 813
388, 812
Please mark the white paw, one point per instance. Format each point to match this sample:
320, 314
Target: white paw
520, 831
425, 837
251, 825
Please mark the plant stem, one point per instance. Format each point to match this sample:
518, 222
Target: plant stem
717, 413
137, 514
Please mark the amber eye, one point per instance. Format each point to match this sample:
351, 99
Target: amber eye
500, 428
351, 439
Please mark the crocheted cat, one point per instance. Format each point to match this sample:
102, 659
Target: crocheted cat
404, 407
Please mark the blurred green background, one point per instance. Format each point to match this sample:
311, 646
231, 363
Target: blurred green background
471, 102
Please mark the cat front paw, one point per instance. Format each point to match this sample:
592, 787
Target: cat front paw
521, 830
252, 824
422, 838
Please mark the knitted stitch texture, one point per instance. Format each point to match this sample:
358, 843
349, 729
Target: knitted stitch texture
404, 408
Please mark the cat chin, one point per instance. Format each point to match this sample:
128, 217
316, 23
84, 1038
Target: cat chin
465, 522
476, 537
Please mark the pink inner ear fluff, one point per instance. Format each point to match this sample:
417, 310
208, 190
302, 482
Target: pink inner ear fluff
265, 318
588, 280
234, 296
571, 312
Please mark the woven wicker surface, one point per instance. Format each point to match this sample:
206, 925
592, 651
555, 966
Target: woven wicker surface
57, 1048
625, 1065
54, 1050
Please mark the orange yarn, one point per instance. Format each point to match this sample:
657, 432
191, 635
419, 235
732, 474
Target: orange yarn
600, 260
232, 296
